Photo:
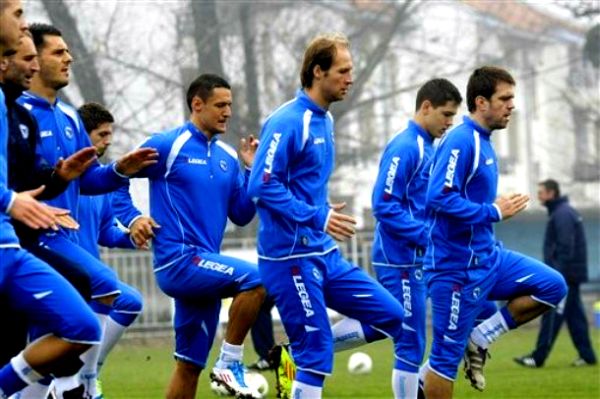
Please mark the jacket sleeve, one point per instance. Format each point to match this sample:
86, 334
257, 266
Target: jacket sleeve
452, 166
241, 208
389, 196
122, 206
110, 234
98, 178
158, 169
279, 146
564, 245
7, 197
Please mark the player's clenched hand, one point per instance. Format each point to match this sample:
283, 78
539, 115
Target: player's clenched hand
74, 166
142, 231
26, 209
136, 160
512, 204
247, 149
340, 226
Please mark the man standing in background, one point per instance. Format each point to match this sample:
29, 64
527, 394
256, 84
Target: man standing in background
565, 249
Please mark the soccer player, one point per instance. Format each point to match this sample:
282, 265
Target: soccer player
400, 237
99, 226
31, 286
61, 133
299, 262
464, 265
195, 186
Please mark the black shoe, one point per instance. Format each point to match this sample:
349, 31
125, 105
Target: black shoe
527, 361
260, 365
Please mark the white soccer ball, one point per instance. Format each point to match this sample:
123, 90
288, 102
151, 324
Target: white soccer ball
360, 363
258, 382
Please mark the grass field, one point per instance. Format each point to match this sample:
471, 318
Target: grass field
143, 372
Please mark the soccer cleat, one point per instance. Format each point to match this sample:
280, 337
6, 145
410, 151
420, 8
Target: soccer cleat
475, 358
526, 361
233, 380
260, 365
285, 370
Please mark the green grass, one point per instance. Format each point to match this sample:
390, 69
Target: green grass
143, 372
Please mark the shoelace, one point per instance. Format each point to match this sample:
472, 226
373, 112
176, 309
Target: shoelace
237, 368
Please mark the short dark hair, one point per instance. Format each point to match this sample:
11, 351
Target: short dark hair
551, 185
203, 86
39, 31
438, 92
320, 51
483, 82
94, 115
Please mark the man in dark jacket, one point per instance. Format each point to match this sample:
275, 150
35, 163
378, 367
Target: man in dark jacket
28, 171
565, 250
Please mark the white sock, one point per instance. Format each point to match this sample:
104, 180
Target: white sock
229, 353
113, 333
64, 384
24, 370
347, 334
33, 391
488, 331
404, 384
89, 371
301, 390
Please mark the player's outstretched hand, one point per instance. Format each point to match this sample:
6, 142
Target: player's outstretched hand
340, 226
65, 220
142, 231
75, 165
512, 204
34, 214
248, 146
136, 160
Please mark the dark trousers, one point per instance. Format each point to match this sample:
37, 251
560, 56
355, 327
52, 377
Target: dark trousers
574, 315
262, 330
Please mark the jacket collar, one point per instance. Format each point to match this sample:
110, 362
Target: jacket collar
189, 125
467, 120
420, 131
555, 203
39, 101
305, 100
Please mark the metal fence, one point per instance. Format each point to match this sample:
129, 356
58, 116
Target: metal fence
135, 268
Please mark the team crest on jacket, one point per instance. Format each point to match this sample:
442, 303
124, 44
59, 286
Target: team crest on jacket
24, 131
223, 165
69, 132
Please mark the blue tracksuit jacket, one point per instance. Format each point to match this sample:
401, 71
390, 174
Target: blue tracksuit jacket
289, 179
399, 199
61, 134
460, 200
99, 224
195, 186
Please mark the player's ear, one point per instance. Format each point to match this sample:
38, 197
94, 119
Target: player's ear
482, 103
317, 72
197, 104
426, 107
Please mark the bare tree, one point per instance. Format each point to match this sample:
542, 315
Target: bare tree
84, 67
